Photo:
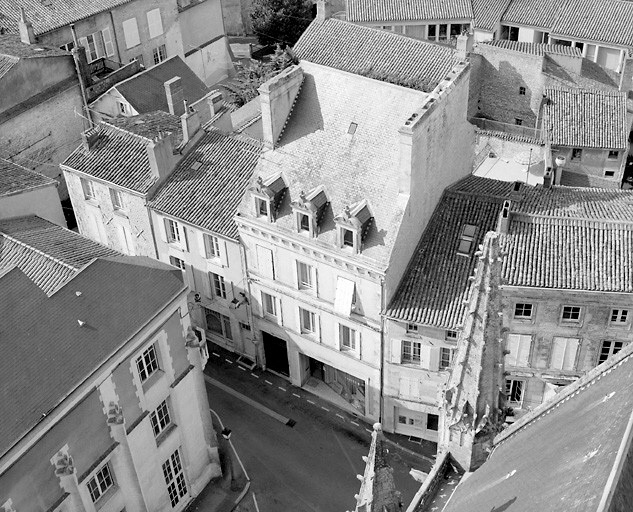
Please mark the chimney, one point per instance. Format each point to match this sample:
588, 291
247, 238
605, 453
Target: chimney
277, 97
626, 76
215, 100
175, 96
504, 218
190, 124
464, 45
548, 178
324, 10
161, 156
89, 138
27, 34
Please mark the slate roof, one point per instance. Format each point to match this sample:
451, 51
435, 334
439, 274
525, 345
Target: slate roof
571, 453
118, 297
150, 125
375, 53
538, 49
586, 118
361, 11
315, 149
47, 16
209, 196
535, 13
47, 253
119, 157
436, 281
15, 179
145, 91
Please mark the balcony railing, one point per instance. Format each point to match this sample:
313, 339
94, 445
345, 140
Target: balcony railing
513, 129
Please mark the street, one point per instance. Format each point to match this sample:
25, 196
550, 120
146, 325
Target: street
310, 466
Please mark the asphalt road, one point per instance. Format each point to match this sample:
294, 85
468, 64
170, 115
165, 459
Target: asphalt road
311, 466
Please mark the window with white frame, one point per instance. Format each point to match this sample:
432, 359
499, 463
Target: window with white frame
347, 337
518, 350
88, 188
523, 311
307, 321
564, 352
160, 419
450, 335
219, 287
261, 207
219, 324
211, 246
303, 222
609, 348
172, 230
446, 357
269, 304
619, 316
147, 363
466, 239
117, 199
100, 483
347, 237
159, 53
514, 391
174, 478
412, 327
304, 276
177, 262
411, 351
571, 314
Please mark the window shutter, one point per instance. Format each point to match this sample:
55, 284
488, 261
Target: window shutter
202, 244
434, 361
265, 262
224, 258
107, 42
184, 241
280, 316
189, 277
570, 354
523, 356
426, 357
164, 229
130, 33
396, 351
123, 239
155, 23
512, 347
558, 353
83, 41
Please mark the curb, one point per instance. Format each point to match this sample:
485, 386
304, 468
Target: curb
242, 495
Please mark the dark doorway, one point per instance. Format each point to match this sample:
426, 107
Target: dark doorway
316, 369
276, 354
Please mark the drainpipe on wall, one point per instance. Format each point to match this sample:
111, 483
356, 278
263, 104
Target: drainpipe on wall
80, 75
116, 39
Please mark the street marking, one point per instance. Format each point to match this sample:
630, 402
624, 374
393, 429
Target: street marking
228, 360
243, 369
233, 448
283, 389
354, 423
310, 401
254, 375
268, 382
215, 354
295, 394
255, 501
325, 409
340, 416
249, 401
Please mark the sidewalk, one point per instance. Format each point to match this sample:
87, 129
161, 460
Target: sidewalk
225, 493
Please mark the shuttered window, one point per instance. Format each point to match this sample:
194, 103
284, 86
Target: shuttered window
518, 347
130, 33
564, 352
155, 23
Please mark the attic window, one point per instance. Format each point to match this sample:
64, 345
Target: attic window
308, 211
268, 195
262, 207
352, 128
303, 221
466, 239
348, 237
353, 225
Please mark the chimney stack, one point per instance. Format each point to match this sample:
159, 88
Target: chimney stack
161, 156
504, 218
27, 34
464, 45
215, 100
324, 10
175, 96
89, 138
190, 124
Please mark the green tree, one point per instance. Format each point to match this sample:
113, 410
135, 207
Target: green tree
280, 21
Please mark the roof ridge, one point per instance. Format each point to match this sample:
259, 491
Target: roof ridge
38, 251
568, 392
109, 126
517, 215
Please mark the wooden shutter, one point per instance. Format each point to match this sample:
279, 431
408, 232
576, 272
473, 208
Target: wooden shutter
265, 262
184, 240
571, 349
558, 353
155, 23
224, 258
512, 347
202, 244
130, 33
107, 42
426, 356
525, 345
396, 351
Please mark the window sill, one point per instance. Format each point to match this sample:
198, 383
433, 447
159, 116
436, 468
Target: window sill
152, 379
160, 438
106, 497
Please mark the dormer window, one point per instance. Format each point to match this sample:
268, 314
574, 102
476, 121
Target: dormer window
262, 207
353, 226
308, 210
268, 194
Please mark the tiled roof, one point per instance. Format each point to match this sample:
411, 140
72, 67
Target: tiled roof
46, 345
15, 179
360, 11
609, 21
209, 196
435, 284
6, 63
538, 49
586, 118
316, 149
375, 53
566, 454
151, 124
119, 157
47, 253
487, 13
580, 179
11, 44
145, 91
53, 14
536, 13
591, 76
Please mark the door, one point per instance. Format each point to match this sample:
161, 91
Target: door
316, 369
276, 354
